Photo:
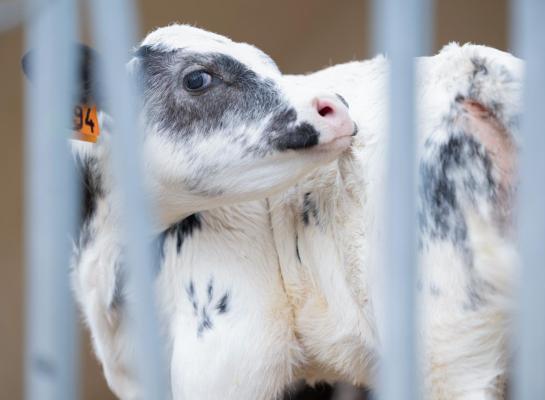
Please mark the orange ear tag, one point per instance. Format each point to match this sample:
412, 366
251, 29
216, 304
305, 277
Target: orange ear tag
86, 123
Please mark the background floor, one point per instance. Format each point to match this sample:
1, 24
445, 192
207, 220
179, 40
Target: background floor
302, 36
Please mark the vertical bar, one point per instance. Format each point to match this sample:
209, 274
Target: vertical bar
114, 29
402, 32
50, 204
529, 34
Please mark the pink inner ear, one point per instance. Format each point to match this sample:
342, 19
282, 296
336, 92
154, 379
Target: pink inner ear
479, 121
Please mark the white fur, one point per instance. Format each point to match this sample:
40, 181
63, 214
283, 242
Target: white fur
335, 290
191, 38
317, 318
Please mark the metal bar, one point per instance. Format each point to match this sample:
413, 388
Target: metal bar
114, 29
529, 34
50, 204
402, 32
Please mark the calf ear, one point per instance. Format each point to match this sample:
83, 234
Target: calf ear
86, 87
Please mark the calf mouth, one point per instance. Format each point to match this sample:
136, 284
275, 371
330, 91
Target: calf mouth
338, 142
306, 137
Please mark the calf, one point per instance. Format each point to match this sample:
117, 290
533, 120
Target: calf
220, 128
329, 234
258, 294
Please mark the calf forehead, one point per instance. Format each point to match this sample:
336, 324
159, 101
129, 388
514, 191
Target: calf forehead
176, 36
197, 40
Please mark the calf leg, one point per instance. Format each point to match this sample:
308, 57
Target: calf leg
229, 319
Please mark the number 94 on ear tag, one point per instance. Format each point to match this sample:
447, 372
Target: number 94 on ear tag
86, 123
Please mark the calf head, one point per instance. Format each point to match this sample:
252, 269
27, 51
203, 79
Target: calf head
221, 124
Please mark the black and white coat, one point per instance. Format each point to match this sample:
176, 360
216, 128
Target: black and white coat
257, 295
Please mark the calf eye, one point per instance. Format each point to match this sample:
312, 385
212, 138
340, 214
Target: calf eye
197, 80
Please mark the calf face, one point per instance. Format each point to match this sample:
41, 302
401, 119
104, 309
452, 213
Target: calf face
221, 124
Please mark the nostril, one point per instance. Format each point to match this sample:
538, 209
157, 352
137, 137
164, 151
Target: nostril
325, 110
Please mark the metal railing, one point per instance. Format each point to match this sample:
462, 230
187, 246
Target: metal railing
51, 339
51, 359
528, 34
402, 31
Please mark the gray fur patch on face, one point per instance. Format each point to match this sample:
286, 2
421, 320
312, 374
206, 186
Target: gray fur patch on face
236, 97
301, 136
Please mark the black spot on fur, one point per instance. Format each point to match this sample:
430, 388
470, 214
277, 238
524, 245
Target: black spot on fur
91, 192
223, 304
180, 231
455, 177
205, 312
302, 136
210, 290
190, 290
309, 208
205, 323
184, 229
343, 100
297, 245
441, 218
456, 173
356, 129
283, 135
479, 66
91, 186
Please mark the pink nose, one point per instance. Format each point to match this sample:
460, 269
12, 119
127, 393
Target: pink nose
334, 114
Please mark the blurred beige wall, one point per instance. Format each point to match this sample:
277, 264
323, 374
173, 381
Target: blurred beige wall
302, 35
